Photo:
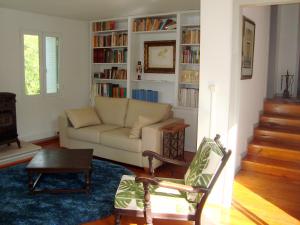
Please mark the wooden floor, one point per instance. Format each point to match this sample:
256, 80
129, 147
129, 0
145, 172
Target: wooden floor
257, 199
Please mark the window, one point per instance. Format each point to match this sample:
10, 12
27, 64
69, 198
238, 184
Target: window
41, 64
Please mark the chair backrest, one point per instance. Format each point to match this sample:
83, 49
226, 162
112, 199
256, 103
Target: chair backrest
206, 166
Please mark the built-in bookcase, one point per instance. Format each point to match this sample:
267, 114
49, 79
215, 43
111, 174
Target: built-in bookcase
118, 44
109, 57
188, 89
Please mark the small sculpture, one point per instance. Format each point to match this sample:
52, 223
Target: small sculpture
289, 80
139, 70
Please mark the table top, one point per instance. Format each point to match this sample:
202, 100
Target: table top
174, 127
62, 159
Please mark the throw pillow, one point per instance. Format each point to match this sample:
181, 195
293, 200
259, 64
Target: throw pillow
142, 121
203, 167
83, 117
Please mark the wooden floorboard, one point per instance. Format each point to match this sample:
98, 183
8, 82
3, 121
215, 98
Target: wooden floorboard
257, 199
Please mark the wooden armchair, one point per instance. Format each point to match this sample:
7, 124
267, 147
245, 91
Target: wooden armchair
152, 197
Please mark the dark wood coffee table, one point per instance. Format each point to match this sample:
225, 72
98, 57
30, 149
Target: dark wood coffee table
60, 161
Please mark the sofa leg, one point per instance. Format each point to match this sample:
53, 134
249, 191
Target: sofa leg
117, 219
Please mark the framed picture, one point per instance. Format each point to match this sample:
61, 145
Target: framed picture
159, 56
247, 48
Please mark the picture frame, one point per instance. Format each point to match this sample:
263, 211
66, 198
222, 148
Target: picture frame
159, 56
248, 43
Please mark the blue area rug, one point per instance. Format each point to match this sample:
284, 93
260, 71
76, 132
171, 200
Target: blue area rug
18, 207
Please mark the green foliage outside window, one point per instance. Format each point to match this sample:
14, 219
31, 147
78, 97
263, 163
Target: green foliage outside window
32, 64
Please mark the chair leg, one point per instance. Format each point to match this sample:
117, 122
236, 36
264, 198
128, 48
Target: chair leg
117, 219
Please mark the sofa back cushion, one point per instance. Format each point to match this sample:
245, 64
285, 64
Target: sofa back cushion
83, 117
111, 110
138, 108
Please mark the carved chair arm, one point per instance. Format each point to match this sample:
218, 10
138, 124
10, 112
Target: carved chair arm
168, 184
157, 156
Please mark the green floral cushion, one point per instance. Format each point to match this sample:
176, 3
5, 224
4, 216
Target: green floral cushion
203, 167
130, 195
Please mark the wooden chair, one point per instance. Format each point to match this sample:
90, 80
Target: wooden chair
163, 198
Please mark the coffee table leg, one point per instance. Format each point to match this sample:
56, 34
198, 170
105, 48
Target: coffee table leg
30, 182
88, 181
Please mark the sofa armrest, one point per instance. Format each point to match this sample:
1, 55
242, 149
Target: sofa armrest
152, 139
63, 124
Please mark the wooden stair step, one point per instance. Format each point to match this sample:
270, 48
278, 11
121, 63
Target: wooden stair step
271, 132
275, 150
283, 107
272, 166
283, 120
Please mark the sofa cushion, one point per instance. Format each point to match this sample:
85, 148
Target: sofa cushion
111, 110
141, 122
83, 117
91, 133
130, 196
119, 138
148, 109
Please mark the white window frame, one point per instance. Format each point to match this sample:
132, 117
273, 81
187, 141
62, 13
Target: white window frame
42, 59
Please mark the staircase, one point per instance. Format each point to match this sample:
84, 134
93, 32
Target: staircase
275, 148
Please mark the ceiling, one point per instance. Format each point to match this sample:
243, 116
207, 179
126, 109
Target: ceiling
99, 9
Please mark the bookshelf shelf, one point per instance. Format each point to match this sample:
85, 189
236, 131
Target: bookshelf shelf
97, 80
197, 45
190, 25
189, 83
157, 81
110, 31
190, 64
110, 63
154, 31
110, 47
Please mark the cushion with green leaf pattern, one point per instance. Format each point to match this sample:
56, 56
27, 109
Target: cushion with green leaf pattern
203, 167
130, 196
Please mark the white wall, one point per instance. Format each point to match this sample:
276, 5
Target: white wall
253, 91
37, 115
287, 46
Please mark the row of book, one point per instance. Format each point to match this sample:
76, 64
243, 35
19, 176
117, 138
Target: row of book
109, 90
153, 24
191, 36
189, 76
104, 25
188, 97
190, 55
113, 73
115, 39
110, 55
145, 95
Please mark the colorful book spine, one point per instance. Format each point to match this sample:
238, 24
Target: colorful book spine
145, 95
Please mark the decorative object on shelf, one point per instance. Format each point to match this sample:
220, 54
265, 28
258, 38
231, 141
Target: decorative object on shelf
188, 97
159, 56
104, 25
145, 95
173, 140
247, 48
191, 36
190, 55
289, 80
154, 24
189, 76
139, 70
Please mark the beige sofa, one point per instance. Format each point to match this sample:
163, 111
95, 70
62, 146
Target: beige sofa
110, 140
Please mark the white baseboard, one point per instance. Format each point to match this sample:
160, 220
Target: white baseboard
18, 157
37, 136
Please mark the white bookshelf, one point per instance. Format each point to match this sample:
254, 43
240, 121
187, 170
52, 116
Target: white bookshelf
167, 85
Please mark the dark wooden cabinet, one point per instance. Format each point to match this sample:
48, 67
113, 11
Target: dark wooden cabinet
8, 122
